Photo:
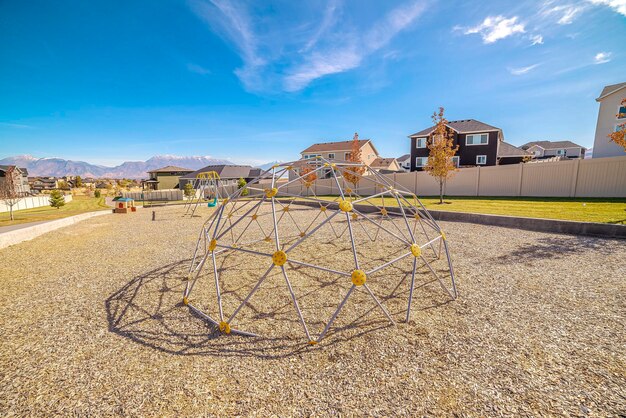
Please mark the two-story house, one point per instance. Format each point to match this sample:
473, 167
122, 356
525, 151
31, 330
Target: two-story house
19, 177
479, 144
341, 151
166, 177
548, 149
611, 116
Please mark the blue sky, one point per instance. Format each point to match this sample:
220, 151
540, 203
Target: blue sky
108, 81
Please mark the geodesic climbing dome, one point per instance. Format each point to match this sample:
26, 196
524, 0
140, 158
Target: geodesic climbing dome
337, 226
206, 184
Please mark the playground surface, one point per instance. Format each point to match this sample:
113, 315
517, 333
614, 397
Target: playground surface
101, 330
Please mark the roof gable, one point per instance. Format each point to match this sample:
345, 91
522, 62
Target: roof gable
335, 146
170, 168
461, 127
610, 89
551, 145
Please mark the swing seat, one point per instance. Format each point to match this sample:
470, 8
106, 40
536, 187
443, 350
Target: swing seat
213, 203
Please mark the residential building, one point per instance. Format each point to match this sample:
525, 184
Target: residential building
385, 164
39, 184
20, 181
167, 177
479, 144
405, 162
611, 115
341, 151
510, 154
229, 174
548, 149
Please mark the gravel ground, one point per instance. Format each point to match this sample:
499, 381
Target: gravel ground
91, 323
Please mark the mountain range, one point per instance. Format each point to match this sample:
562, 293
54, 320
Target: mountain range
59, 167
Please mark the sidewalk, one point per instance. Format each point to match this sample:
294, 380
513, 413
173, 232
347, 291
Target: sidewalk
14, 234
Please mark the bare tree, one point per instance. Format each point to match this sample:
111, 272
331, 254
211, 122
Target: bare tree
11, 189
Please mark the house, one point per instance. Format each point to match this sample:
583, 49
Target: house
405, 162
20, 178
547, 149
611, 117
167, 177
479, 144
229, 174
39, 184
510, 154
341, 151
385, 164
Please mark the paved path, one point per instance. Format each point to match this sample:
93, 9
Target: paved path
21, 226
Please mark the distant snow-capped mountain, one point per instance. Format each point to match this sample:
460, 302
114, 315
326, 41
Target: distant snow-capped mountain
59, 167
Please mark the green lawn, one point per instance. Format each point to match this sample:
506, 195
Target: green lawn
585, 210
79, 204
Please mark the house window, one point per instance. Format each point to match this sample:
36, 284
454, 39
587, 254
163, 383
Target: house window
420, 143
346, 156
477, 139
537, 153
560, 152
481, 159
620, 127
331, 155
455, 160
421, 161
621, 112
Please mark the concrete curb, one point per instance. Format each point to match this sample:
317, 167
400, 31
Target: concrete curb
28, 233
529, 224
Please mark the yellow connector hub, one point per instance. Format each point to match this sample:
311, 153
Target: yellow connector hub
271, 192
185, 300
213, 245
279, 258
225, 327
358, 277
345, 206
416, 250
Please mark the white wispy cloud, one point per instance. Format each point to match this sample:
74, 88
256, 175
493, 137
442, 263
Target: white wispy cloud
354, 49
16, 125
198, 69
234, 24
329, 18
494, 28
602, 57
536, 40
523, 70
618, 5
288, 57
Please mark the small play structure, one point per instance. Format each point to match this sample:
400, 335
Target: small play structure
124, 205
206, 186
372, 233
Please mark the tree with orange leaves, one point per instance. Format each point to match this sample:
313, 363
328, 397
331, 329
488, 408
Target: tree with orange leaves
353, 174
441, 149
619, 136
308, 175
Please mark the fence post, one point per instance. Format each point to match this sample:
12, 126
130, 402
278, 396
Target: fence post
478, 182
521, 178
574, 184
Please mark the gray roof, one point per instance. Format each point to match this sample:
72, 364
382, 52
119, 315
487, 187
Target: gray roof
552, 144
507, 150
382, 162
403, 158
610, 89
461, 126
227, 171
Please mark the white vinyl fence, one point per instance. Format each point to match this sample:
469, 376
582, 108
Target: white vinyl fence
31, 202
600, 177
